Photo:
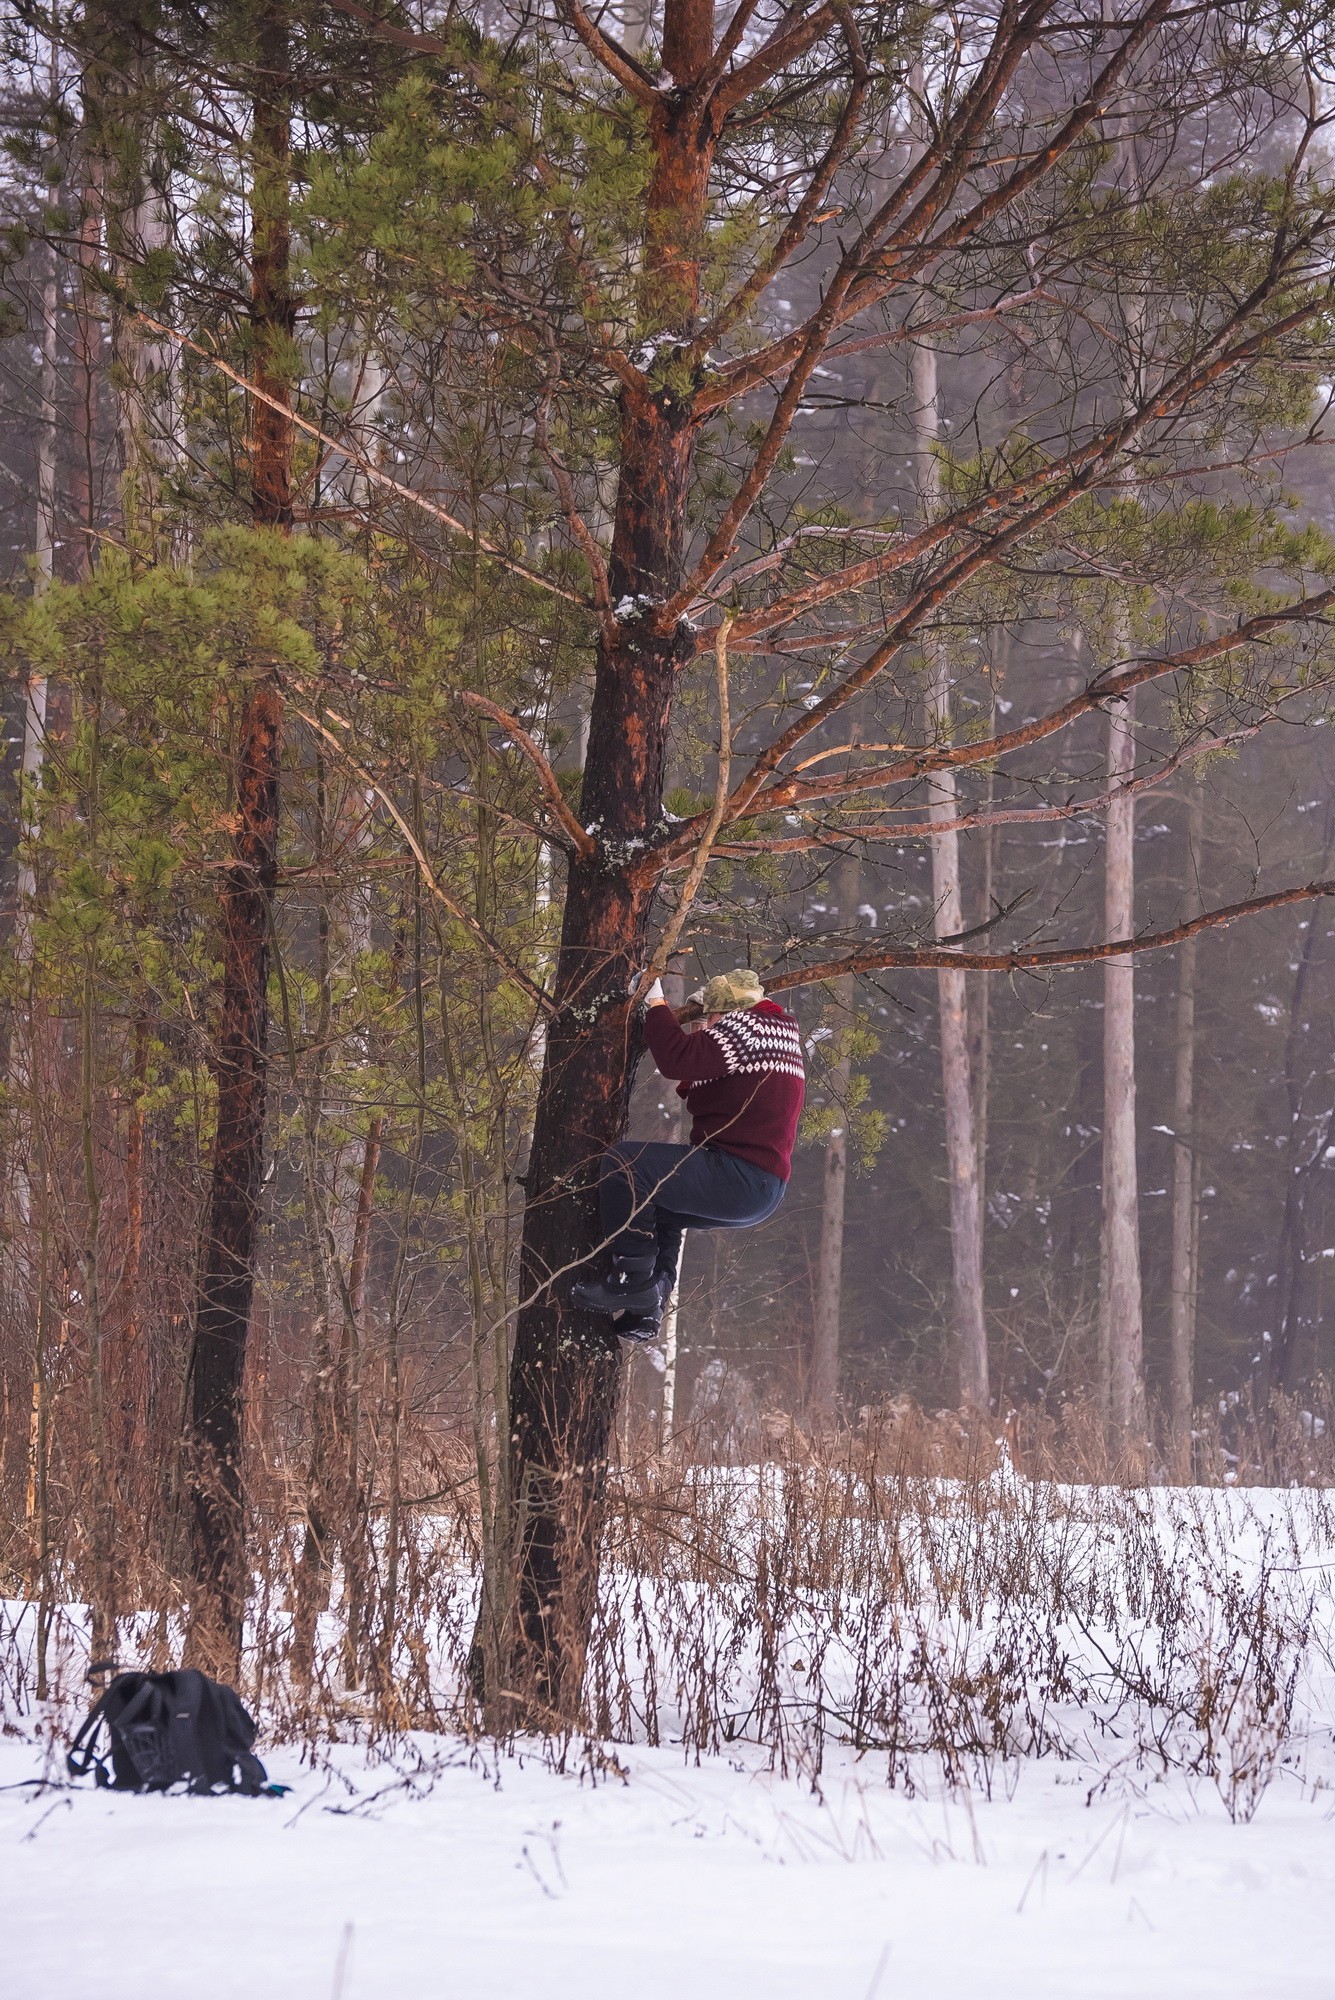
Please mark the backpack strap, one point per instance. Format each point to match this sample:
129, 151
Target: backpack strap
112, 1709
139, 1765
236, 1732
82, 1755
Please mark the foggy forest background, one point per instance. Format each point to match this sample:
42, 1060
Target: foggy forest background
420, 590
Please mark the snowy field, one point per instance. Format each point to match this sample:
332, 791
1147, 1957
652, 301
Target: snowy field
442, 1875
1119, 1848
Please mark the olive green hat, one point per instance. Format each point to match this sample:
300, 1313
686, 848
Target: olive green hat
726, 992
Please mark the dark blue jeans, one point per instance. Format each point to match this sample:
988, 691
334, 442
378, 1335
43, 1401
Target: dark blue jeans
648, 1192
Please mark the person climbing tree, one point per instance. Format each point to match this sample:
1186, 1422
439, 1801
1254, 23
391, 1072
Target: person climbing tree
743, 1082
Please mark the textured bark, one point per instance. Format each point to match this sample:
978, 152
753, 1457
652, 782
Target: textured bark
1186, 1178
227, 1277
566, 1367
83, 463
123, 124
968, 1325
566, 1364
823, 1383
1121, 1333
823, 1390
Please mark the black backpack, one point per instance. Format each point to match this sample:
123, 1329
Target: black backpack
167, 1729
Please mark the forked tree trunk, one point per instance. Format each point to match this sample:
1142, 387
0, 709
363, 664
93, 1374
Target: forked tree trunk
1186, 1176
227, 1277
966, 1215
566, 1369
1120, 1307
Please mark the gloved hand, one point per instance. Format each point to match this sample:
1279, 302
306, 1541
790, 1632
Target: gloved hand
654, 997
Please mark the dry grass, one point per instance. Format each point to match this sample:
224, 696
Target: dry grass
946, 1597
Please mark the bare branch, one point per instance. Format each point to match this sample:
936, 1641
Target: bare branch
973, 822
696, 873
750, 801
933, 957
366, 466
582, 842
536, 993
403, 38
609, 54
791, 39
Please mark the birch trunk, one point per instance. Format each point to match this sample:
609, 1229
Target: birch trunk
1186, 1177
962, 1157
1280, 1354
675, 988
33, 1256
668, 1421
1120, 1306
823, 1383
823, 1390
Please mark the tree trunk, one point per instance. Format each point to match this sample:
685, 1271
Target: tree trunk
24, 1061
679, 1133
823, 1384
21, 1060
980, 986
1120, 1311
84, 496
966, 1224
566, 1368
1280, 1355
823, 1388
227, 1276
1186, 1176
122, 124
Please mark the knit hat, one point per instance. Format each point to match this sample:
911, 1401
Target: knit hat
727, 991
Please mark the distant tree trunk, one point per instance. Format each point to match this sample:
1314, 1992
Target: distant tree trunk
123, 146
84, 497
1120, 1308
1280, 1354
1186, 1175
671, 1320
823, 1380
35, 702
962, 1158
232, 1228
31, 1233
133, 1376
679, 1133
980, 985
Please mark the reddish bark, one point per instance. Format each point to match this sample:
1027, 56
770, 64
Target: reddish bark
227, 1276
566, 1365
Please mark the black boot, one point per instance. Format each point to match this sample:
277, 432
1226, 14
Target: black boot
628, 1287
647, 1325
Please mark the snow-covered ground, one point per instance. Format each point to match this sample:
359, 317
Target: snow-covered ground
1145, 1805
450, 1874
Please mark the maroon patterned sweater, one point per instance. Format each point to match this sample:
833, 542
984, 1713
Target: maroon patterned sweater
742, 1080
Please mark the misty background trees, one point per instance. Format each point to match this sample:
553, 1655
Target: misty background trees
398, 404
